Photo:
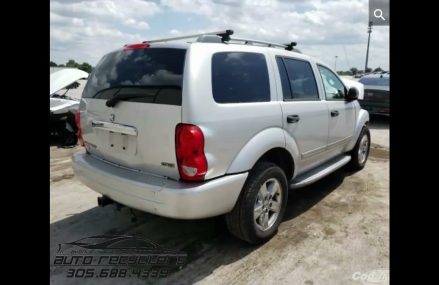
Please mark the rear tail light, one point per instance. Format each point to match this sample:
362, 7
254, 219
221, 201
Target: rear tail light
78, 126
189, 148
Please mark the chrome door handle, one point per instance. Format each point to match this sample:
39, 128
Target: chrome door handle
334, 113
291, 119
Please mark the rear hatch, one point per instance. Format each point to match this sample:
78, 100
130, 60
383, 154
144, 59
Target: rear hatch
131, 106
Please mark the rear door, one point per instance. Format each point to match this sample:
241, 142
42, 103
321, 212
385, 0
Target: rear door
131, 106
341, 112
305, 115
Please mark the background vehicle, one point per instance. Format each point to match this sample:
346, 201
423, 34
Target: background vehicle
376, 93
62, 106
216, 126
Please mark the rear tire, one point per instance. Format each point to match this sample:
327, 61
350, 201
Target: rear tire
360, 153
261, 205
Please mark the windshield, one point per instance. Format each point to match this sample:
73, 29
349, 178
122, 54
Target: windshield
136, 69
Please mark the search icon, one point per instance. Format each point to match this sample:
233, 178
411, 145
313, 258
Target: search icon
378, 13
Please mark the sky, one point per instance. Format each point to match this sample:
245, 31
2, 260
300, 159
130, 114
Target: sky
85, 30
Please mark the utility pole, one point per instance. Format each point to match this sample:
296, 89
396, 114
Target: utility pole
369, 30
335, 64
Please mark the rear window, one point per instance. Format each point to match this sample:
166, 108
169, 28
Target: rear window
151, 75
298, 81
239, 77
375, 81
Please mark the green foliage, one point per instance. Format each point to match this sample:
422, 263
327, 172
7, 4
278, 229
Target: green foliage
73, 64
340, 72
86, 67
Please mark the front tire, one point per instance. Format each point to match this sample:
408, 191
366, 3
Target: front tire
261, 205
360, 153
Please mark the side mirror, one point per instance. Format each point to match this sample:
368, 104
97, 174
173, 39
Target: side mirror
352, 94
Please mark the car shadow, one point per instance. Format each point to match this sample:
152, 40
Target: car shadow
57, 141
206, 241
302, 199
378, 122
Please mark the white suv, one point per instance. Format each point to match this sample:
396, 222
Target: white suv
215, 126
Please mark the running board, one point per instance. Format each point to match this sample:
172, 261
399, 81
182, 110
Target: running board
319, 172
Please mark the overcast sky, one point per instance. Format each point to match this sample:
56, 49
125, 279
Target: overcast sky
86, 30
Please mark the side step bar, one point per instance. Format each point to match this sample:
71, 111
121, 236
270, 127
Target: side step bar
319, 172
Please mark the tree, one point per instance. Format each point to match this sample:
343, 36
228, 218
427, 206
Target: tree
354, 70
378, 69
85, 67
72, 63
53, 64
368, 70
340, 72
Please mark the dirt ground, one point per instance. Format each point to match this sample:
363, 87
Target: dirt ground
332, 230
379, 129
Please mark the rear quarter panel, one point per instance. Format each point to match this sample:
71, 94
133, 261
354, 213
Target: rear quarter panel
227, 128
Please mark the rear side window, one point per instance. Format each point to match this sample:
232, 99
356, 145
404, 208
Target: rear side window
239, 77
151, 75
298, 81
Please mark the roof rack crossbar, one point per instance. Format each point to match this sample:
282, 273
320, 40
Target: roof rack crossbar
225, 36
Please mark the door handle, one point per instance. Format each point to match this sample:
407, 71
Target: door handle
291, 119
334, 113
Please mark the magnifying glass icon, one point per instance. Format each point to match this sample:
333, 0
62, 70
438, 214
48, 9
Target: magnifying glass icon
378, 13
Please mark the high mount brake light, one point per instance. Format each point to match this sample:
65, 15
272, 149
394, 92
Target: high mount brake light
135, 46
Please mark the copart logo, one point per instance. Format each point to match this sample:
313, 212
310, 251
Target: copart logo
378, 276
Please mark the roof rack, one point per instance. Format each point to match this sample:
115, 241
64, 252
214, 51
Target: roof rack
225, 37
289, 46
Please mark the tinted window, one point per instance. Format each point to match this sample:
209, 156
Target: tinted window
134, 72
298, 81
375, 81
240, 77
286, 89
334, 88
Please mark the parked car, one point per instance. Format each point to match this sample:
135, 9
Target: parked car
62, 106
216, 126
376, 93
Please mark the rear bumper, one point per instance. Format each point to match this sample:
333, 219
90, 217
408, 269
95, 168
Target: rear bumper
158, 195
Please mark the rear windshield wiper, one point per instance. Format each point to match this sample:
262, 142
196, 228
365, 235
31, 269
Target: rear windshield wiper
120, 95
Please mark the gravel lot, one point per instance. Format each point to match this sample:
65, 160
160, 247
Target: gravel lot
335, 228
379, 130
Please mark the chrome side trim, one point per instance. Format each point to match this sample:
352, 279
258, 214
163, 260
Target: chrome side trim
313, 152
112, 127
339, 142
324, 148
